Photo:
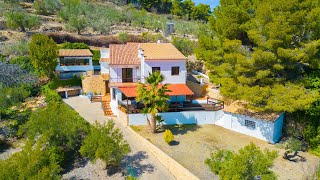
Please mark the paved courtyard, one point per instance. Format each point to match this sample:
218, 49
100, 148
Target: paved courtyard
140, 161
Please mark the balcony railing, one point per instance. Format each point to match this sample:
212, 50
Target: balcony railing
125, 80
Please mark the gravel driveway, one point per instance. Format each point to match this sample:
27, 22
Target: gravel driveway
139, 161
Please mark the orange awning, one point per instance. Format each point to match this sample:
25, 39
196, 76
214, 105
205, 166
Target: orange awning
175, 90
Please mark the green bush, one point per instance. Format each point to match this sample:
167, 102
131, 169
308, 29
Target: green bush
18, 48
105, 143
33, 162
43, 54
19, 19
51, 95
55, 83
168, 136
59, 125
24, 62
148, 37
46, 7
185, 46
76, 45
96, 57
123, 37
248, 163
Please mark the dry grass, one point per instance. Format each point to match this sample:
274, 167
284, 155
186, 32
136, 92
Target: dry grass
195, 143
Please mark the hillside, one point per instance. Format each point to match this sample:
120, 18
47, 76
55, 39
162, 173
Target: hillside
102, 20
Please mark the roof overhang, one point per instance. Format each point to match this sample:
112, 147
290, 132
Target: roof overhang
175, 90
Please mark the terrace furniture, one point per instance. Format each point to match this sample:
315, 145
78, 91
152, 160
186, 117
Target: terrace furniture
132, 109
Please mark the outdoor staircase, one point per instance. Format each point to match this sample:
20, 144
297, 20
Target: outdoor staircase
105, 102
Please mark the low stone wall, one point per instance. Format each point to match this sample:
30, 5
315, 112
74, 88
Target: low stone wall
94, 84
123, 118
173, 166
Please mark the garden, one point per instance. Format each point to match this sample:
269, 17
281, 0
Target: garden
194, 144
40, 136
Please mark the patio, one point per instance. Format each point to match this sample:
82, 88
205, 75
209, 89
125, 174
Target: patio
131, 106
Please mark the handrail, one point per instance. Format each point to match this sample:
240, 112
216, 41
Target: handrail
122, 80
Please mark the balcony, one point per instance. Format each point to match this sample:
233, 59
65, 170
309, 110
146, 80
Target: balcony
118, 82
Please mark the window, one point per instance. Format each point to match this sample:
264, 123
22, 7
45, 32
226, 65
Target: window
74, 62
175, 70
250, 124
155, 69
114, 91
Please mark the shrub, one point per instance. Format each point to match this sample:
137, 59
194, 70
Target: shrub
185, 46
96, 57
148, 37
51, 95
59, 125
43, 54
105, 143
12, 75
24, 62
76, 45
34, 162
18, 48
46, 7
20, 19
248, 163
168, 136
55, 83
123, 37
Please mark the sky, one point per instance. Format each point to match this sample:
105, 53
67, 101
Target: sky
212, 3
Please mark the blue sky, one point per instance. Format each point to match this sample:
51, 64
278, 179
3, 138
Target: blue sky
212, 3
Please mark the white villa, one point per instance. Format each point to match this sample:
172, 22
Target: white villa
123, 66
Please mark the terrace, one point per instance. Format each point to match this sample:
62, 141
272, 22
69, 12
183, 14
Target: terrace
131, 106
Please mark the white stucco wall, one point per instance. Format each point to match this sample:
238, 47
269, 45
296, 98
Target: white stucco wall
165, 68
264, 129
116, 72
114, 102
269, 131
184, 117
75, 68
104, 66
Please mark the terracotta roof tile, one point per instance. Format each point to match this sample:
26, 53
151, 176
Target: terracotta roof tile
74, 52
124, 54
176, 90
161, 51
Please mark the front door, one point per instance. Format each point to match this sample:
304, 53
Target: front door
127, 75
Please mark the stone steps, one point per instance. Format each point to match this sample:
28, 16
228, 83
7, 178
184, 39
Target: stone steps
105, 102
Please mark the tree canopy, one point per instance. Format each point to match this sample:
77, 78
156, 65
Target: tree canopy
249, 163
43, 54
260, 50
153, 96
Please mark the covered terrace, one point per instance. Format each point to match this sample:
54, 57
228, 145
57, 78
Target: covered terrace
181, 99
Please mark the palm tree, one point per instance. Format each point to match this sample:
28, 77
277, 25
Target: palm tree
153, 95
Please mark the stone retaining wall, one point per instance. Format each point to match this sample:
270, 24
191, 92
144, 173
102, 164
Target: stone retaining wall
176, 169
196, 88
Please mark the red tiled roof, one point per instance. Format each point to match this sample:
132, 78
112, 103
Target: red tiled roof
74, 53
124, 54
175, 90
161, 51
